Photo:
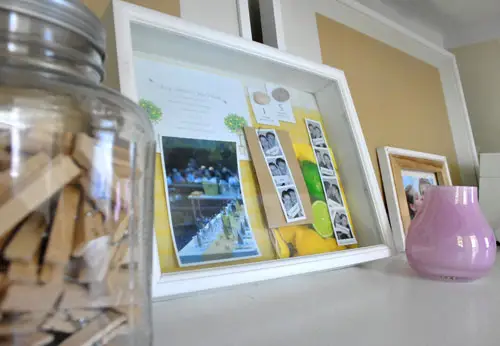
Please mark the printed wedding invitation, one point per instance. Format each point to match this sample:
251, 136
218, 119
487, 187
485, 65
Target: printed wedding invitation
193, 104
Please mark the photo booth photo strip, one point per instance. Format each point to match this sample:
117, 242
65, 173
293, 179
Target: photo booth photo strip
336, 203
287, 193
268, 183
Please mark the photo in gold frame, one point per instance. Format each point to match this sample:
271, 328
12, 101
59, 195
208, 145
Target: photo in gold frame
406, 175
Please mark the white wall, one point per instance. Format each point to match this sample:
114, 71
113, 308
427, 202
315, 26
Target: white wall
220, 15
229, 16
299, 33
411, 23
479, 66
471, 34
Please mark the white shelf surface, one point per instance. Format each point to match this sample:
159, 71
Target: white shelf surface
378, 303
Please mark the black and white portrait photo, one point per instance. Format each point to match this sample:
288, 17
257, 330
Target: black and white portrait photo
269, 143
316, 134
332, 192
325, 162
342, 228
291, 203
279, 171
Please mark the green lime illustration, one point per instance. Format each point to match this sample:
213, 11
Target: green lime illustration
321, 222
313, 180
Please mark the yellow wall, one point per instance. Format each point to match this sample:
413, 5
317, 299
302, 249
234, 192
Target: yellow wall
479, 66
171, 7
399, 99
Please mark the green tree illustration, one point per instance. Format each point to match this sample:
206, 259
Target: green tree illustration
155, 113
235, 123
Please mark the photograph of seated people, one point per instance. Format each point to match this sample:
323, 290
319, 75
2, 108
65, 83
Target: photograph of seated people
205, 202
198, 174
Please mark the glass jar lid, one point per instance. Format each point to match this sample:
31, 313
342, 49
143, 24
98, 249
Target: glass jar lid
72, 15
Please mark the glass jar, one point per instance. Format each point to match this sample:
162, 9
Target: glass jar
76, 182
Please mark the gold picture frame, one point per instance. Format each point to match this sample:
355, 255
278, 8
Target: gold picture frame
405, 176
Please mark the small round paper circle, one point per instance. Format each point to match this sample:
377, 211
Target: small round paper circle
281, 94
261, 98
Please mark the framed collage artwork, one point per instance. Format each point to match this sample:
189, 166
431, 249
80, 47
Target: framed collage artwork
211, 224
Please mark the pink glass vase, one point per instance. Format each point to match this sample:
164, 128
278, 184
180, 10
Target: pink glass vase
449, 238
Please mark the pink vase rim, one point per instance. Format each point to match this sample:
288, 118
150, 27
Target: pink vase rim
448, 190
454, 187
453, 192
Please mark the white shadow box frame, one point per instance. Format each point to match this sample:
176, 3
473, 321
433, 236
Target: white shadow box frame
143, 31
391, 194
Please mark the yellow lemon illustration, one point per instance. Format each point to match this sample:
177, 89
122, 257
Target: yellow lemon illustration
281, 246
288, 233
308, 242
332, 245
322, 223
